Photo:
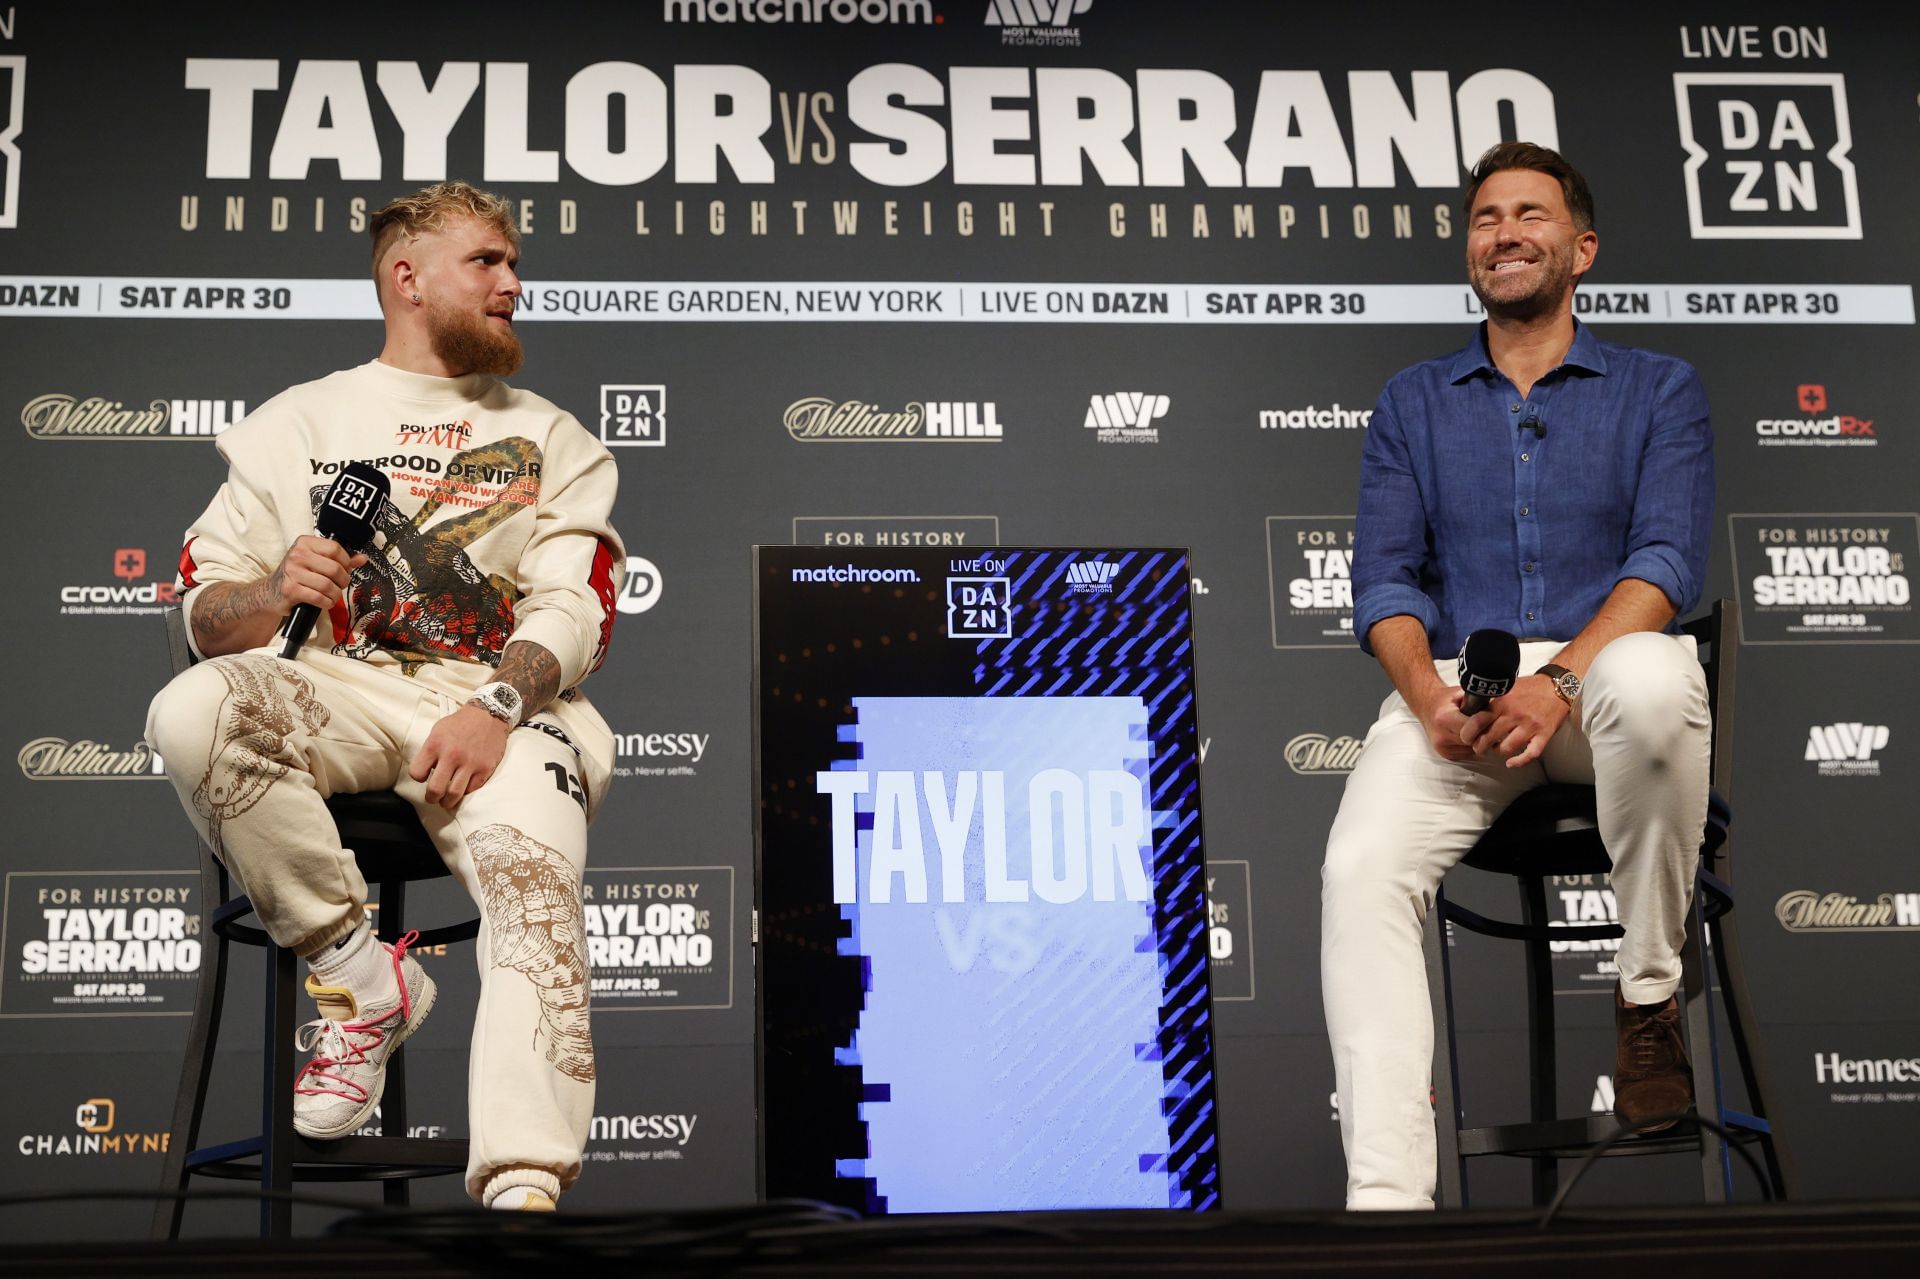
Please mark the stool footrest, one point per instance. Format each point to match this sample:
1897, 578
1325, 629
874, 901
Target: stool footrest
1571, 1138
347, 1159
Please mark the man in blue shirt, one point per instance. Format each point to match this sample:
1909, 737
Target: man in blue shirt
1560, 488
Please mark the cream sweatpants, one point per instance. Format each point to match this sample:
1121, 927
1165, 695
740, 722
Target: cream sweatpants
1639, 735
254, 744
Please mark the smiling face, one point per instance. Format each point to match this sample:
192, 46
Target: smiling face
1524, 251
469, 288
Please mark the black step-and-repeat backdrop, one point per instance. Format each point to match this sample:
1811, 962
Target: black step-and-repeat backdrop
952, 272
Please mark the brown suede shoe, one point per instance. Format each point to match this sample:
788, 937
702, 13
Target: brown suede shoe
1651, 1073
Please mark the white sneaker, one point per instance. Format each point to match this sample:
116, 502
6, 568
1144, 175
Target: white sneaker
337, 1091
523, 1199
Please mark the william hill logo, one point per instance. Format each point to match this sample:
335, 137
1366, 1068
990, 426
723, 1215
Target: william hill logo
1806, 911
93, 1122
1316, 754
1089, 577
55, 759
67, 417
817, 418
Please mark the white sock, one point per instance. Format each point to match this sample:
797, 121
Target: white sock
362, 965
514, 1198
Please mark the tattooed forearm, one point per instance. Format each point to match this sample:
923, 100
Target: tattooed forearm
532, 671
232, 617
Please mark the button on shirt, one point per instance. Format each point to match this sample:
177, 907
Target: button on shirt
1483, 508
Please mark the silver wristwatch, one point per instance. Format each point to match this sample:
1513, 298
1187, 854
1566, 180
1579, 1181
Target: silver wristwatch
502, 701
1565, 682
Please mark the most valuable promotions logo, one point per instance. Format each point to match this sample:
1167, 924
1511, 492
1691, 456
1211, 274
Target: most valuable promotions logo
1767, 156
1846, 750
59, 416
1037, 23
1126, 417
1815, 426
93, 1133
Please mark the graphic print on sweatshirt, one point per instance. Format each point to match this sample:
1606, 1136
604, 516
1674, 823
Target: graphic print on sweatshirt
419, 596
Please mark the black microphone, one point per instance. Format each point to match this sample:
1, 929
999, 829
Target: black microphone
1489, 660
346, 517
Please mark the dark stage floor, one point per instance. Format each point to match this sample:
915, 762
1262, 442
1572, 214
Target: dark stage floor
801, 1239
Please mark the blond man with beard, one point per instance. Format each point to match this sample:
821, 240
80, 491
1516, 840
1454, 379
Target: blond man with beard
1547, 483
445, 665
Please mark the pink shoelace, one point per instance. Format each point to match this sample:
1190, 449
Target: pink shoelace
335, 1043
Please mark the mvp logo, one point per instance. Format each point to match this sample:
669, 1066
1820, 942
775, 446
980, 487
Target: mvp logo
1767, 156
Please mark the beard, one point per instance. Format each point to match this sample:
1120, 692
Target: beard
468, 343
1551, 285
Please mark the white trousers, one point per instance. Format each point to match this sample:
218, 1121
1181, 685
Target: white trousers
1640, 736
254, 745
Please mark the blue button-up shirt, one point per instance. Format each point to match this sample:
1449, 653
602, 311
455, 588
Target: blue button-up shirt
1482, 508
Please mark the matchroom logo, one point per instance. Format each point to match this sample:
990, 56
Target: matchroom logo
1767, 156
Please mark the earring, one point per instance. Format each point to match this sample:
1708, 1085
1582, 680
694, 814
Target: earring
416, 299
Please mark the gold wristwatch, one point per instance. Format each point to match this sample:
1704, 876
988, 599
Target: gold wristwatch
1565, 682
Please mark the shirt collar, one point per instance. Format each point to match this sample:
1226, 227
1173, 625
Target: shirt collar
1585, 354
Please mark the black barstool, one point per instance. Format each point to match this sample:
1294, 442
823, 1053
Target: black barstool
1552, 831
393, 850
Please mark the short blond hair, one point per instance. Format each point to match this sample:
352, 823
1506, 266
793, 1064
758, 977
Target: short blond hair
430, 208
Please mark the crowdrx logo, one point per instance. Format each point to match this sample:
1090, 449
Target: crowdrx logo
1846, 750
1126, 417
57, 416
1819, 429
1767, 156
1031, 23
129, 566
93, 1121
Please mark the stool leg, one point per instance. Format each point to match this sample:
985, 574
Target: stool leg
1753, 1065
1452, 1186
1696, 984
1542, 1063
196, 1072
276, 1102
394, 1191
